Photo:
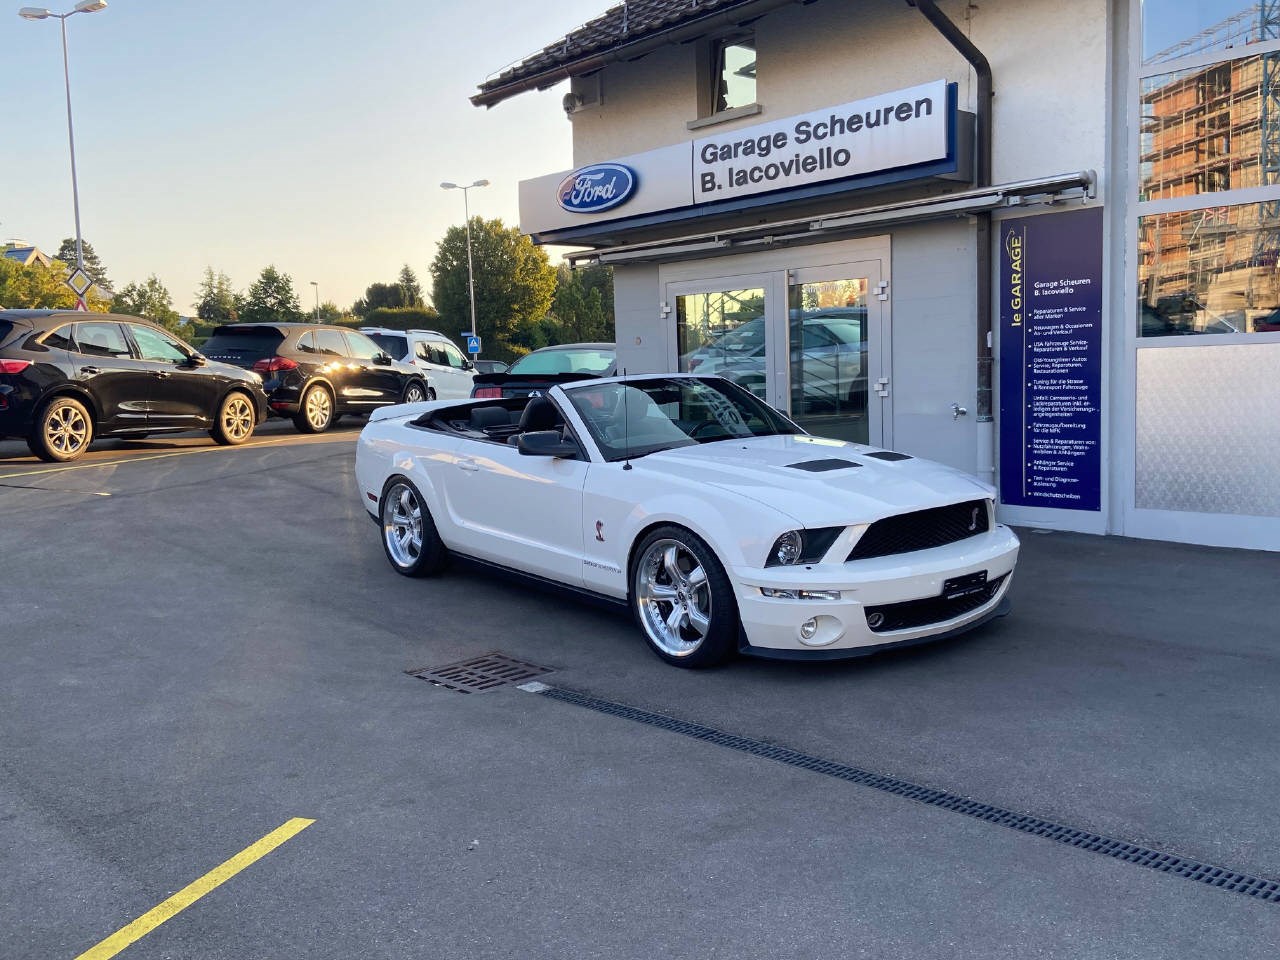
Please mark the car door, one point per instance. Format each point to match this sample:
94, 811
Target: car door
457, 370
519, 511
379, 380
120, 383
182, 394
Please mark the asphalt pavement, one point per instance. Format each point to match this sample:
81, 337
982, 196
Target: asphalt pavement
203, 643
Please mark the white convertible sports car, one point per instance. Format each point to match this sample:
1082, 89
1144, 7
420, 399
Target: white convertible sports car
715, 518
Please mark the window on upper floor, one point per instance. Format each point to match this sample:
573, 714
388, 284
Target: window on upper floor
733, 76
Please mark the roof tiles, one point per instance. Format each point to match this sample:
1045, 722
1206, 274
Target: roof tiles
626, 23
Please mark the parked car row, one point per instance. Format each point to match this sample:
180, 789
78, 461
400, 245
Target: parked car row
67, 378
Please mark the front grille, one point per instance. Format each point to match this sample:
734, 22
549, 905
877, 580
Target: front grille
921, 613
922, 530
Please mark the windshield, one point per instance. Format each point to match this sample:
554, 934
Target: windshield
592, 360
644, 416
248, 341
395, 344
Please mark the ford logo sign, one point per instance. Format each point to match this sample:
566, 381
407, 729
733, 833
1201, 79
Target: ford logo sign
601, 186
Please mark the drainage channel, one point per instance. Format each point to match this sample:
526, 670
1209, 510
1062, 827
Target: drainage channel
1257, 887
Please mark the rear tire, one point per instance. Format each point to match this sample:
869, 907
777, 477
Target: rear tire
683, 600
315, 412
236, 420
409, 537
63, 431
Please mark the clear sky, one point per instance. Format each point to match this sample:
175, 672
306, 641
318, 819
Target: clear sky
308, 135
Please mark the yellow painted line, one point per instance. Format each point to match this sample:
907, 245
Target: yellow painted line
194, 891
155, 456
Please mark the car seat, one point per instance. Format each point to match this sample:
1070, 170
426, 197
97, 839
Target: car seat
538, 414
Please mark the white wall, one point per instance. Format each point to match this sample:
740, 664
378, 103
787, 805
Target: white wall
1048, 58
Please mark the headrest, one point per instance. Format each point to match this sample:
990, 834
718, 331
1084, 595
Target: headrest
539, 414
483, 417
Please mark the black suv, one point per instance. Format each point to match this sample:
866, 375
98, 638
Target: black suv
68, 377
315, 372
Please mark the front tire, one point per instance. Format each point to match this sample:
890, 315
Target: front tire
409, 537
682, 599
235, 422
62, 431
415, 393
315, 413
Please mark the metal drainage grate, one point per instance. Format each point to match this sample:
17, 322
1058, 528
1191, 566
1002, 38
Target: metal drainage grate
479, 673
1260, 888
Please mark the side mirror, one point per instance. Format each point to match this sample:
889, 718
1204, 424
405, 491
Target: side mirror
546, 443
195, 360
467, 364
382, 359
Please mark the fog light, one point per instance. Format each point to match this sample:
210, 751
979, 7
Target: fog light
808, 629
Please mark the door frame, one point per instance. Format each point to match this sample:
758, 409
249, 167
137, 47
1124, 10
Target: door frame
773, 270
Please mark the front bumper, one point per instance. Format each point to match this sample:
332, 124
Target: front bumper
911, 582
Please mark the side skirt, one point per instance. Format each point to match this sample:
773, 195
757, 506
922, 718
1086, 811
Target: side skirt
510, 573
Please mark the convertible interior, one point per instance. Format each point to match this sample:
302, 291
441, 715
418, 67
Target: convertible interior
498, 421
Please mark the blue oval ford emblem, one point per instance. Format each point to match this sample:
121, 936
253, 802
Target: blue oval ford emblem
600, 186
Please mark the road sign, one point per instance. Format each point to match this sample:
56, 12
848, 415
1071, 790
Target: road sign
79, 281
473, 344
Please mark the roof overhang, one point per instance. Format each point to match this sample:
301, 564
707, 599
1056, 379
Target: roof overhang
1081, 185
551, 65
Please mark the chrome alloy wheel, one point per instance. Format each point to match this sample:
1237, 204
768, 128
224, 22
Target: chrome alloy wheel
66, 430
319, 408
414, 394
402, 525
674, 597
237, 418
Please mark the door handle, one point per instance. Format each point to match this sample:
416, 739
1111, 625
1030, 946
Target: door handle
468, 464
90, 369
161, 374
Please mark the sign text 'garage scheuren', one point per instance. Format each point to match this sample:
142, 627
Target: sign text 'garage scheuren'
884, 132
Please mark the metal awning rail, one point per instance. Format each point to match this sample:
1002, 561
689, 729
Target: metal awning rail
1080, 185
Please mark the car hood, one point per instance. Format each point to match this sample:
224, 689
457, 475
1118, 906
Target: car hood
763, 469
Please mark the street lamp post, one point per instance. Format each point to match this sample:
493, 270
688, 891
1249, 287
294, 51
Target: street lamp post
39, 13
466, 208
317, 286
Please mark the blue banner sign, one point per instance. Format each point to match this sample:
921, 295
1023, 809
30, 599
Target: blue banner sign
1051, 360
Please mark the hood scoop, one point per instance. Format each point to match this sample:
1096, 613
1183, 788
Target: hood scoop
889, 455
823, 466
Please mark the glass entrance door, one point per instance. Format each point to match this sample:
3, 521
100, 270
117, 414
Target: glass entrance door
809, 342
832, 327
725, 328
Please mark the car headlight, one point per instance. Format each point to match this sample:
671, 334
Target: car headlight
802, 546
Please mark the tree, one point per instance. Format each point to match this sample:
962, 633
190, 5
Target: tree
92, 266
215, 300
379, 296
514, 283
271, 299
410, 289
37, 287
583, 305
150, 300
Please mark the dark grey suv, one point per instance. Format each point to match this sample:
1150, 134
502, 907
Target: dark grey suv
315, 373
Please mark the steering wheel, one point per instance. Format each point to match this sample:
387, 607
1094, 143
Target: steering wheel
706, 424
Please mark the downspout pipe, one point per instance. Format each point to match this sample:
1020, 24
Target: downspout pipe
982, 178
